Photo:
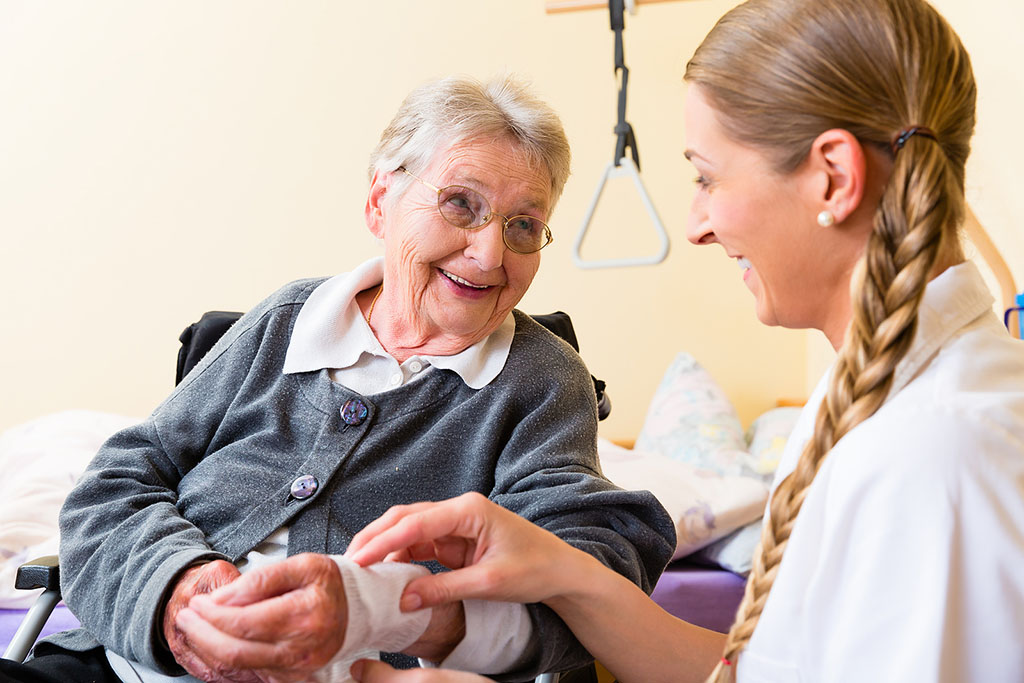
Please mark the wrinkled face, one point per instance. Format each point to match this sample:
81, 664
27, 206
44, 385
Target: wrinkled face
762, 219
454, 282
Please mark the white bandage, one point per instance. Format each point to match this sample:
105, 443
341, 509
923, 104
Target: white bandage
375, 623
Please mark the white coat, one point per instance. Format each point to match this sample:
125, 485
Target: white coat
906, 562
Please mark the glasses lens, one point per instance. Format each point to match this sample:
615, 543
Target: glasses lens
526, 234
462, 207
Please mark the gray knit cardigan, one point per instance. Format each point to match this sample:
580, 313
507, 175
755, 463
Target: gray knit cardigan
207, 476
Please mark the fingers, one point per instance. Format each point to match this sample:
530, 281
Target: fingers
413, 525
226, 653
475, 581
311, 614
313, 610
288, 634
454, 553
451, 552
221, 650
385, 521
371, 671
275, 579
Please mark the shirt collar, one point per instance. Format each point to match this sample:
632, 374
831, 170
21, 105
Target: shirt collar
954, 299
330, 332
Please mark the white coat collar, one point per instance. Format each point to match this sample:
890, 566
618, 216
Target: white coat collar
954, 299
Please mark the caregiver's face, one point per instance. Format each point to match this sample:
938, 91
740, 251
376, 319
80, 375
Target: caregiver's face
761, 219
463, 283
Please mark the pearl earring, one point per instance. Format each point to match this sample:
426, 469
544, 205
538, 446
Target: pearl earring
826, 219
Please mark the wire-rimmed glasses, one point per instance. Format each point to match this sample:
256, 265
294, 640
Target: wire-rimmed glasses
467, 209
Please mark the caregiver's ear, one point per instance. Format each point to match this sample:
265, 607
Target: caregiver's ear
839, 169
374, 211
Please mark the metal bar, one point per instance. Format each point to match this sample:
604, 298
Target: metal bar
31, 625
626, 167
556, 6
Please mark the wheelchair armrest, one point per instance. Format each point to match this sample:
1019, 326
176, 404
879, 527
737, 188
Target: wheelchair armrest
42, 572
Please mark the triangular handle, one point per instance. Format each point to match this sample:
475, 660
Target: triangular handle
611, 171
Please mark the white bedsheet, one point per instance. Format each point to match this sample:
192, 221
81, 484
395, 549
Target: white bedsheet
40, 461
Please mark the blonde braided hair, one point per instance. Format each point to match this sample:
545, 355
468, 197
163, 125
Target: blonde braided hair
874, 68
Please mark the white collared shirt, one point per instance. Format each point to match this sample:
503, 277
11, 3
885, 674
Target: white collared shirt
906, 562
330, 332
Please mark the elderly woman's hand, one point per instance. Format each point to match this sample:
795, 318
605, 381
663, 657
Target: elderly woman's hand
194, 581
282, 622
497, 555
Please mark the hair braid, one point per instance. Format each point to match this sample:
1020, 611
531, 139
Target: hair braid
873, 67
888, 287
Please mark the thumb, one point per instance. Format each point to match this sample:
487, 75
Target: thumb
475, 581
369, 671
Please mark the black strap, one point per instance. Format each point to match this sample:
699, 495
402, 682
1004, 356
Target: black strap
623, 130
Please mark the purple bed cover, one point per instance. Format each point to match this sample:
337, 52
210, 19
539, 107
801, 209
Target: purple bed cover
700, 595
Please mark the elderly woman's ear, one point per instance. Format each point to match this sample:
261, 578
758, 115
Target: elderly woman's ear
375, 202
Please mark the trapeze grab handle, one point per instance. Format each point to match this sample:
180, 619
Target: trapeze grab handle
611, 171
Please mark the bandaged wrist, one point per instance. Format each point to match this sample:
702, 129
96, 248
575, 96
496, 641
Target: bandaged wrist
372, 593
375, 623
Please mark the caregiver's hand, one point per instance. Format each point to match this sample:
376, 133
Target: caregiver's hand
197, 580
497, 555
282, 621
371, 671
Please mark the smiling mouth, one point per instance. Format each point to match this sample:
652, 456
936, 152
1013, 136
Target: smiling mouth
462, 281
743, 263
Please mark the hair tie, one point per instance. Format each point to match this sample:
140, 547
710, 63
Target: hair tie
726, 662
904, 135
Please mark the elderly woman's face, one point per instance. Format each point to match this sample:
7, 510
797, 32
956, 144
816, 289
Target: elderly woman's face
455, 283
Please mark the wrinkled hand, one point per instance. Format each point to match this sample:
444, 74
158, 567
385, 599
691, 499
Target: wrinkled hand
497, 555
370, 671
196, 581
280, 622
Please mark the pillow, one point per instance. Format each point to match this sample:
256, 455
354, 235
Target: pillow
41, 461
767, 437
691, 420
734, 552
704, 505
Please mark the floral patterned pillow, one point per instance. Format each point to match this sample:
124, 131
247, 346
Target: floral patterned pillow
690, 419
703, 505
767, 437
718, 497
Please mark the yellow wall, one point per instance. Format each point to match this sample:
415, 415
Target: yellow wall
161, 159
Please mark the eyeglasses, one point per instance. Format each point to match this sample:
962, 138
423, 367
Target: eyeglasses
467, 209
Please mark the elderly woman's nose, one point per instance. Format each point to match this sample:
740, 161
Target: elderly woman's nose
486, 245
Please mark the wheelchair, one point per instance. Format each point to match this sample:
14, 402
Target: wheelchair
196, 340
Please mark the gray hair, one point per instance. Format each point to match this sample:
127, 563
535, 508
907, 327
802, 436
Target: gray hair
456, 109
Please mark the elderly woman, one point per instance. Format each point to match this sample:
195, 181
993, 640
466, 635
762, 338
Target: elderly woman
412, 377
